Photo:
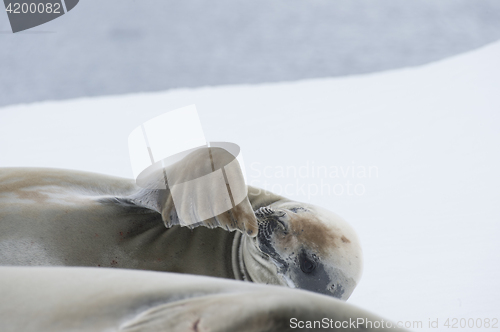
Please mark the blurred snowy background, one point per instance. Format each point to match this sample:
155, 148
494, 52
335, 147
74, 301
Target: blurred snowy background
427, 212
123, 46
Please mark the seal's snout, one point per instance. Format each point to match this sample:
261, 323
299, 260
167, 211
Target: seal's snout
266, 215
267, 212
270, 220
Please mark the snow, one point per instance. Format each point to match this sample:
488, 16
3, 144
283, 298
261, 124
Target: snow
427, 214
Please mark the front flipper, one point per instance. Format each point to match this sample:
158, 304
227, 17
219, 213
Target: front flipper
263, 310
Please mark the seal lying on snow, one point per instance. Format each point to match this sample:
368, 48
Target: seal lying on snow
59, 217
60, 299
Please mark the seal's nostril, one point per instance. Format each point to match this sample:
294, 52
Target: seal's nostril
264, 211
268, 210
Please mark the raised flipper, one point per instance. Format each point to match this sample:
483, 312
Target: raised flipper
204, 188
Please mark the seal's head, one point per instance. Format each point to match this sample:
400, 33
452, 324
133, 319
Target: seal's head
304, 246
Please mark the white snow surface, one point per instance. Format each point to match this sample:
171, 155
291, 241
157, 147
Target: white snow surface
428, 213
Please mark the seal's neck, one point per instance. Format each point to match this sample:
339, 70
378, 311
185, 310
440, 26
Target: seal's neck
239, 269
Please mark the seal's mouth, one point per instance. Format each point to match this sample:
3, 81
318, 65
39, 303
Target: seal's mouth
269, 222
